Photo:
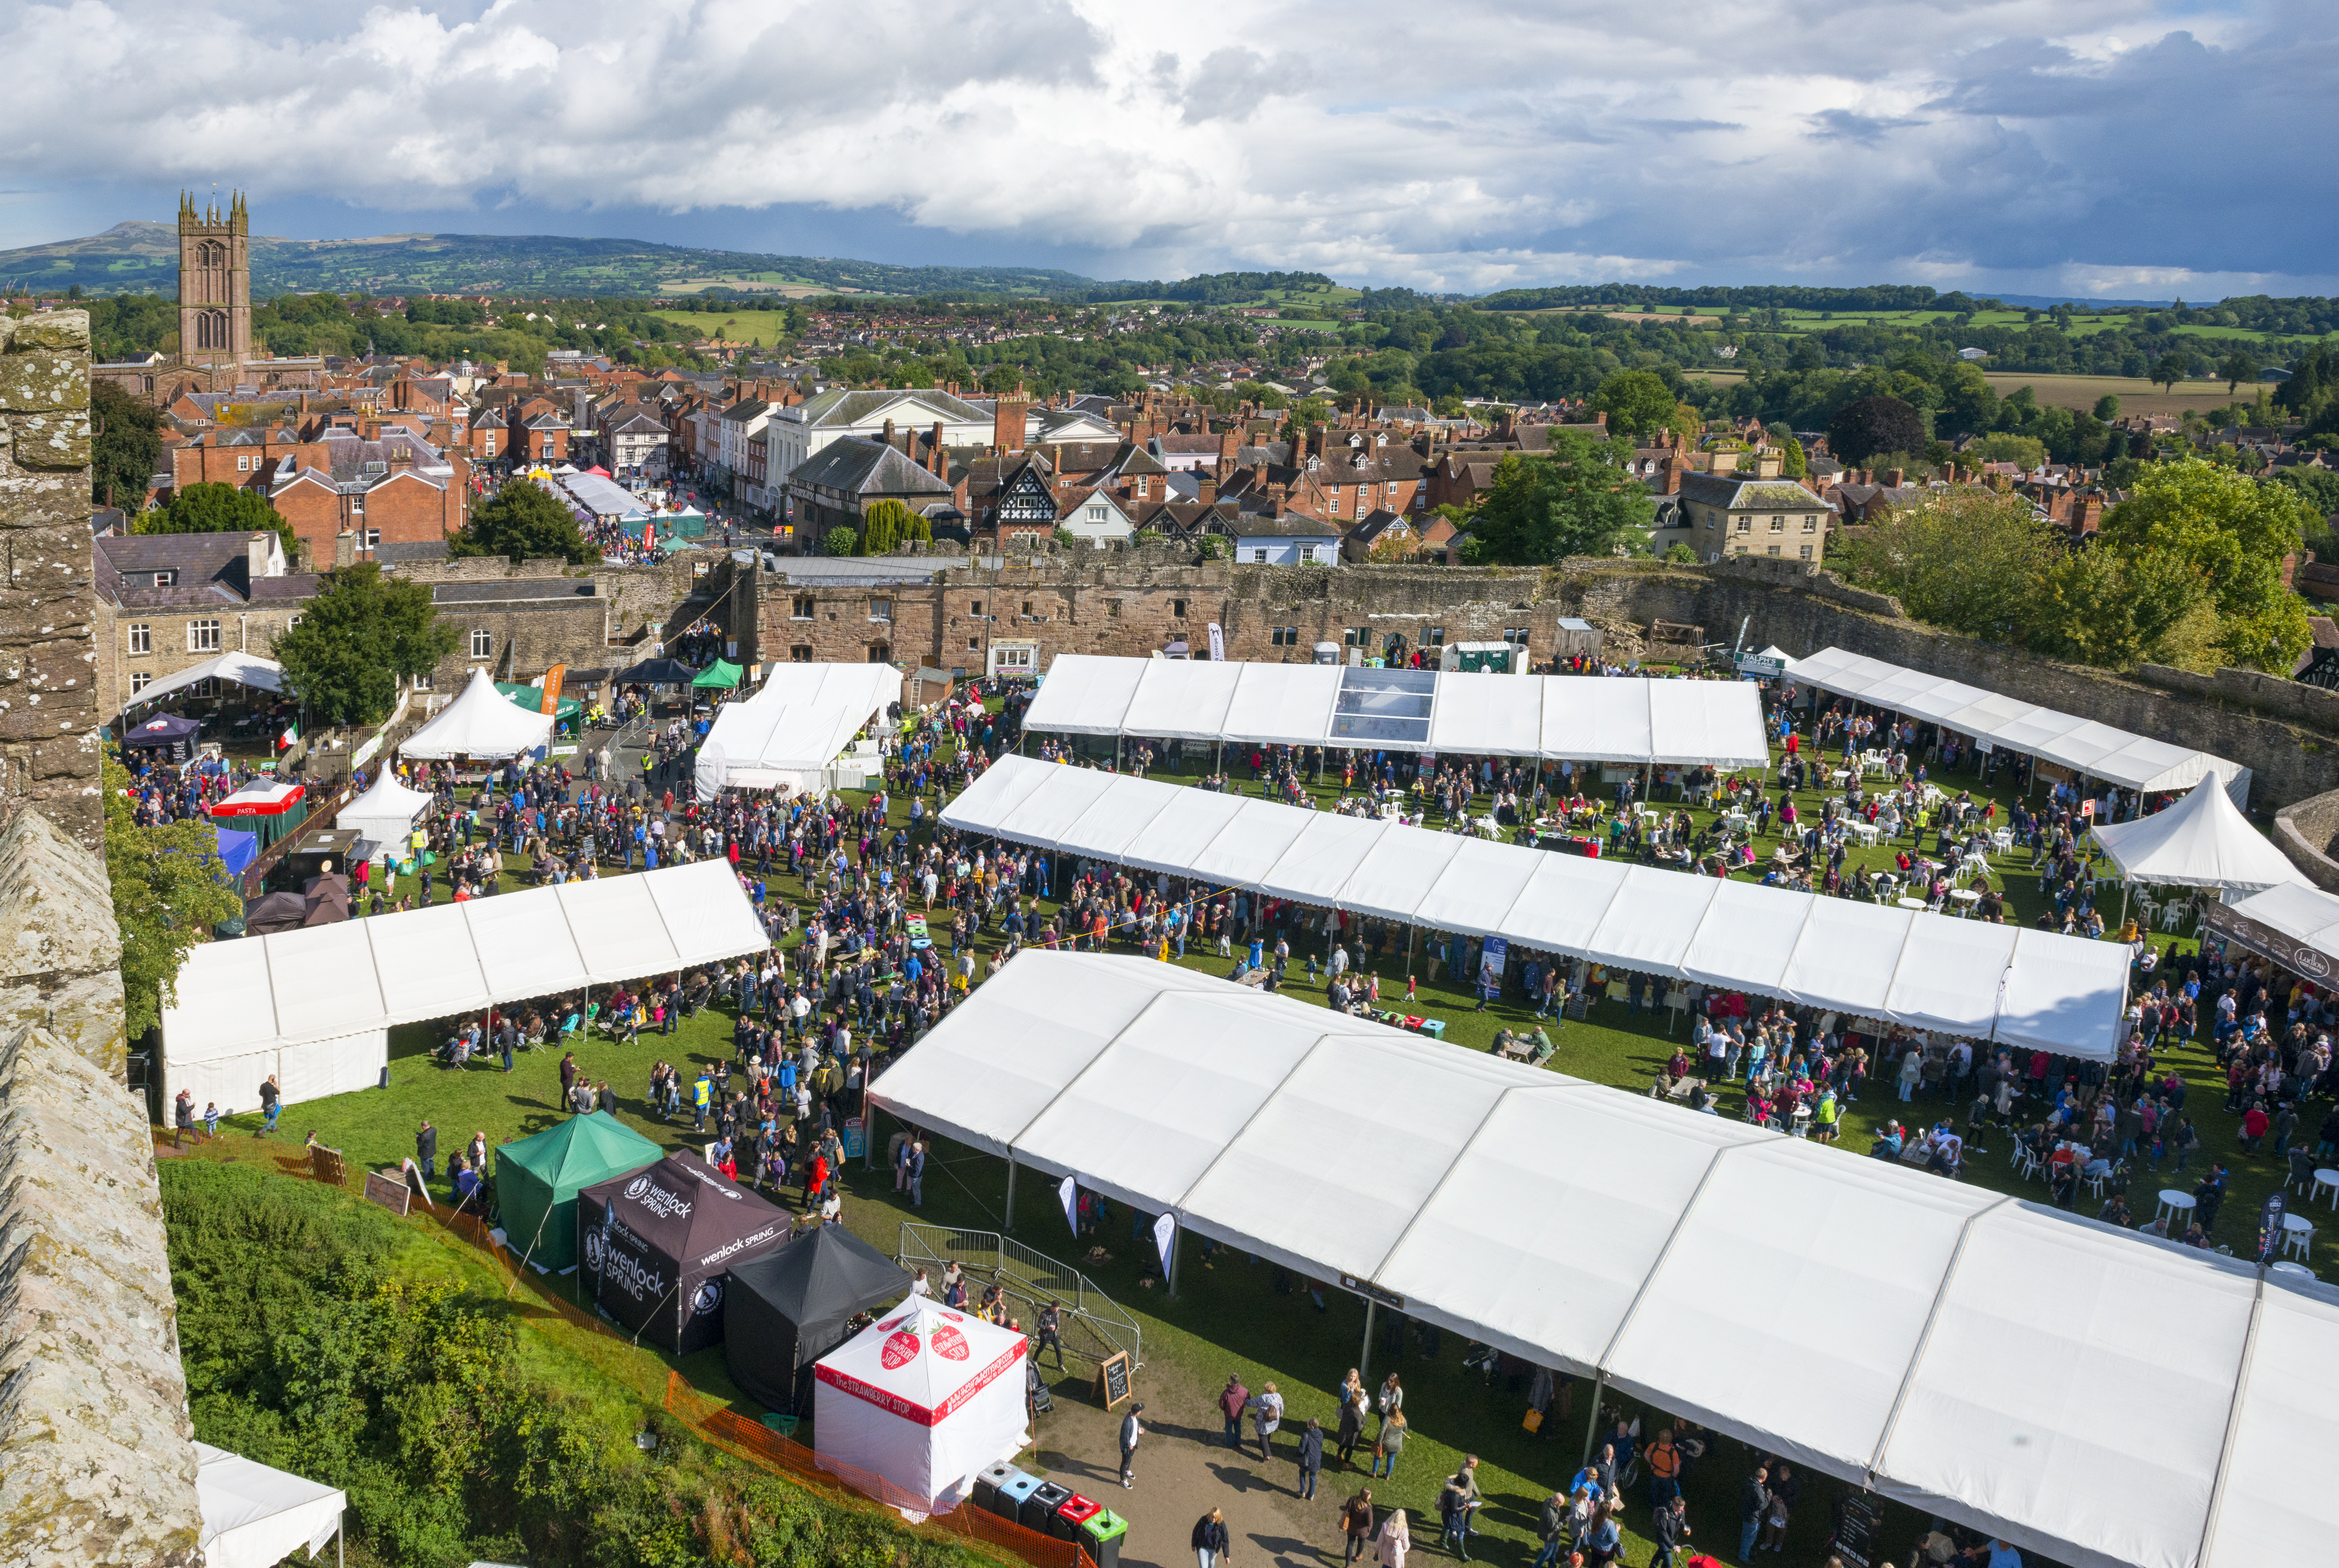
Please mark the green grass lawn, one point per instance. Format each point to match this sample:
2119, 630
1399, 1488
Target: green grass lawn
1232, 1316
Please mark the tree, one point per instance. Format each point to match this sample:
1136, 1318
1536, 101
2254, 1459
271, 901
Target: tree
169, 889
1793, 464
2241, 364
1575, 500
524, 522
125, 448
2231, 532
213, 509
884, 528
2005, 446
842, 542
1638, 403
2108, 407
2172, 367
1970, 560
1680, 554
359, 635
2107, 607
1865, 426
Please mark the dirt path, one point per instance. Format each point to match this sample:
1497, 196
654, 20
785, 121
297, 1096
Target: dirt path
1184, 1469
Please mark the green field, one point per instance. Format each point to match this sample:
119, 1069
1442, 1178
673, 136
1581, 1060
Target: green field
768, 328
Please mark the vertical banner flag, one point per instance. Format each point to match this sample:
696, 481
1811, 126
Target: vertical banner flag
552, 679
1165, 1239
1218, 642
1069, 1191
2270, 1218
1490, 965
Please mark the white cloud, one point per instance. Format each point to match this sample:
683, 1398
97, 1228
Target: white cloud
1467, 145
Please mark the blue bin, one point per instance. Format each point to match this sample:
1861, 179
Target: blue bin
1012, 1495
987, 1485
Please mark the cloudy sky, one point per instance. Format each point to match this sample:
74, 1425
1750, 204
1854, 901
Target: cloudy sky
2095, 147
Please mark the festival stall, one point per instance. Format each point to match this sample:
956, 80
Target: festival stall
720, 676
925, 1397
789, 1308
167, 738
236, 668
2200, 841
385, 815
482, 725
530, 699
2093, 1395
654, 1246
538, 1179
264, 807
315, 1007
788, 734
256, 1517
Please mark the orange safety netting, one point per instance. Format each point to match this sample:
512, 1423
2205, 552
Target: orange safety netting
752, 1440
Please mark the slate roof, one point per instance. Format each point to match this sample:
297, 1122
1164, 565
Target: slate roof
840, 407
1734, 492
862, 468
212, 569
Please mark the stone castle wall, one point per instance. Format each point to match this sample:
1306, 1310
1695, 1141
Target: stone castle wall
97, 1461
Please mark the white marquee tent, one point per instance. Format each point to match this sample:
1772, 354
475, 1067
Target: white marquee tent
255, 1517
1587, 718
2107, 1400
315, 1006
481, 723
794, 726
2293, 923
2018, 986
2094, 750
2200, 841
925, 1396
385, 814
243, 669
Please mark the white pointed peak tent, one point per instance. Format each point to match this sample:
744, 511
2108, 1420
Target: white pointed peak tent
2200, 841
255, 1517
483, 724
926, 1398
385, 814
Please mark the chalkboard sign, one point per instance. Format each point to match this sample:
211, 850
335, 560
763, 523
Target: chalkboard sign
387, 1187
1857, 1531
1112, 1379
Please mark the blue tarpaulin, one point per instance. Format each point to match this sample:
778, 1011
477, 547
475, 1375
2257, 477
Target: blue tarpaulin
238, 850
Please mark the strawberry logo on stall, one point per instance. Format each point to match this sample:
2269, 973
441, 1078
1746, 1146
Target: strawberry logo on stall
951, 1343
899, 1351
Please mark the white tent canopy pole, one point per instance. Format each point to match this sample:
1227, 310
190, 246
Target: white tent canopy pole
2108, 1399
2019, 987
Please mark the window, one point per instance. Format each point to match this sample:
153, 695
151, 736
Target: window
483, 644
372, 538
241, 463
1745, 525
166, 580
423, 683
1773, 549
881, 652
140, 680
881, 610
972, 643
1287, 637
1807, 552
801, 653
142, 638
1027, 607
1112, 606
202, 637
1811, 523
1096, 514
1357, 636
1177, 609
293, 621
800, 607
1435, 636
975, 608
1259, 557
1516, 635
1778, 525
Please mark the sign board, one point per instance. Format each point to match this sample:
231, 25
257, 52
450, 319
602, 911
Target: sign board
856, 1138
1857, 1531
1371, 1292
1490, 964
1756, 666
1112, 1379
387, 1188
325, 1165
2266, 943
414, 1185
1218, 642
2270, 1218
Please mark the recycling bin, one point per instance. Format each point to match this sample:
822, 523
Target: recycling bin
1102, 1534
1040, 1507
1013, 1493
1071, 1515
987, 1485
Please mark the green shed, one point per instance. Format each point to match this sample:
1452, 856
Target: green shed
538, 1179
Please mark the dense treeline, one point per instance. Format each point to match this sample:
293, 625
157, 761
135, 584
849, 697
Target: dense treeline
1785, 296
319, 1336
129, 325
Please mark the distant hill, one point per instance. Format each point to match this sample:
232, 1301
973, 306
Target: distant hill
134, 257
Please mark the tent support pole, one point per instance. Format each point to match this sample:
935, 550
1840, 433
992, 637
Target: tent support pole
336, 1546
1411, 931
1365, 1356
1591, 1423
1007, 1221
868, 1133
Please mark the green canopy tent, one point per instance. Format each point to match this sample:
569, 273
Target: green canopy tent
721, 673
538, 1179
532, 699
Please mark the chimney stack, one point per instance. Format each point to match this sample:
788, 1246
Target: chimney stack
1893, 477
1673, 467
1007, 423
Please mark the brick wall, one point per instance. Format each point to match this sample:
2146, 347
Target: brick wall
49, 733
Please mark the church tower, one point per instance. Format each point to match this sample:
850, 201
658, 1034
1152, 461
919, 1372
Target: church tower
214, 283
